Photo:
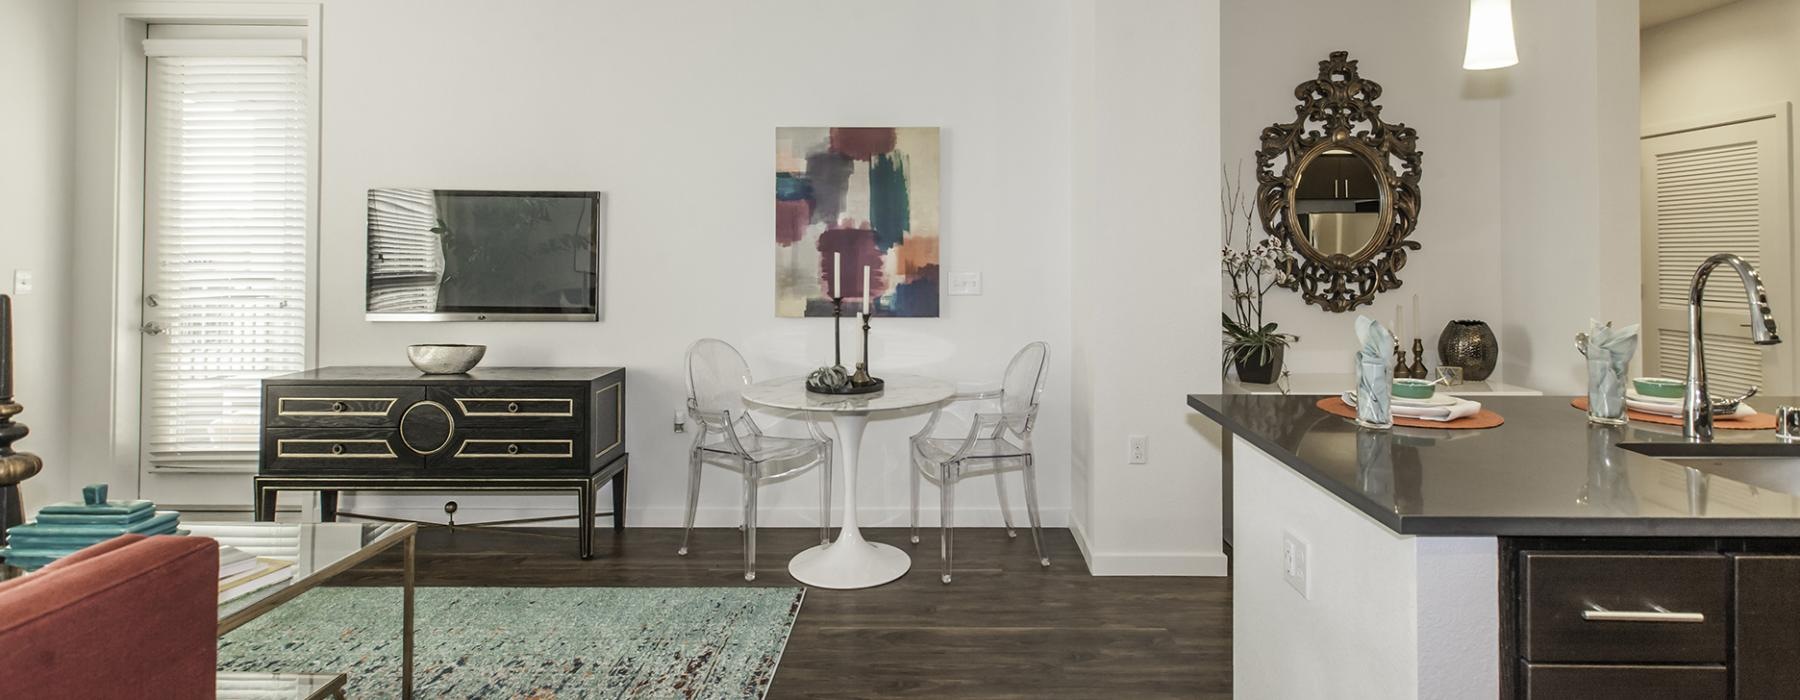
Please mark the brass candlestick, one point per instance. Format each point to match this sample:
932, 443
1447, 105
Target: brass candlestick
862, 379
14, 466
1417, 369
1400, 370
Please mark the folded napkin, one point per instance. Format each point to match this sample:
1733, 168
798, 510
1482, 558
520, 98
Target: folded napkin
1462, 408
1672, 407
1374, 381
1608, 351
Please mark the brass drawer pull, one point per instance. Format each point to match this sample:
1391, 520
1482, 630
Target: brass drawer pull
512, 449
338, 407
337, 448
512, 407
1595, 613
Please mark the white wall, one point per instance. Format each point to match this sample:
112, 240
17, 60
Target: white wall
1733, 57
1571, 165
1413, 48
1529, 179
1385, 616
670, 108
37, 69
1145, 238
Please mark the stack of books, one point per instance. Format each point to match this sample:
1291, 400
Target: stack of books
62, 529
280, 541
241, 573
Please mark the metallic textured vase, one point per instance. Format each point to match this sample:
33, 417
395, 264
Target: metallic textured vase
1470, 345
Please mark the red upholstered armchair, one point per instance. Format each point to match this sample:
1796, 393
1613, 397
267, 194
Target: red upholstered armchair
131, 617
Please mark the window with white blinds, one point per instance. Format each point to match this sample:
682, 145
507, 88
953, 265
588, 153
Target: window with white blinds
225, 242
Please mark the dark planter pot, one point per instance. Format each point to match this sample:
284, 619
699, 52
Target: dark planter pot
1470, 345
1253, 372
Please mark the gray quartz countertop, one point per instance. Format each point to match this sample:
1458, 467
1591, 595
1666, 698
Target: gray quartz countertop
1545, 473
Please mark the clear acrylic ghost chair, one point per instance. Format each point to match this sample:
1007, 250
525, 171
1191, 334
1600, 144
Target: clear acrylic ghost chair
728, 437
996, 443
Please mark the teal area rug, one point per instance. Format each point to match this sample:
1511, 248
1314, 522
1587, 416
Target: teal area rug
530, 642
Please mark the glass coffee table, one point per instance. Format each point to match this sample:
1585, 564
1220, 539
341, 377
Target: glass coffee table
319, 551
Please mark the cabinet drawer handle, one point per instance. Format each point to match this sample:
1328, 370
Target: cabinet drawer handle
1596, 613
338, 407
337, 449
512, 449
512, 407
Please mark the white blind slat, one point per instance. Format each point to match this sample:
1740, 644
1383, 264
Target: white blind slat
225, 243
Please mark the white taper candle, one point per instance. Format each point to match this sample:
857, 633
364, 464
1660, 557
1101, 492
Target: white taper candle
868, 298
837, 275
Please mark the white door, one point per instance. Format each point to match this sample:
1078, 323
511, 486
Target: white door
1720, 187
226, 246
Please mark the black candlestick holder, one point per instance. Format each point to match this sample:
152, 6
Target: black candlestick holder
835, 379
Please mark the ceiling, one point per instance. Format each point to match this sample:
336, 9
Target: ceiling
1655, 12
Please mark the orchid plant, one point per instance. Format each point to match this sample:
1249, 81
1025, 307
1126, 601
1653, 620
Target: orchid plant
1253, 269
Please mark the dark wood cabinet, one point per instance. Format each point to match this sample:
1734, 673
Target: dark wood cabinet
392, 428
1622, 682
1766, 633
1639, 618
1338, 177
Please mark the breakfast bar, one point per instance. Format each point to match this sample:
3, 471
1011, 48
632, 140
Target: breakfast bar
1627, 558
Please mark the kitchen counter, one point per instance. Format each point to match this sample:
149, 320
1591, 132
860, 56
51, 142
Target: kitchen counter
1545, 473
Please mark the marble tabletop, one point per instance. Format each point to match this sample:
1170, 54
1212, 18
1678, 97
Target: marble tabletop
902, 391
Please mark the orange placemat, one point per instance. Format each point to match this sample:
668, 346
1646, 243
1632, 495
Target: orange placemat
1760, 421
1485, 419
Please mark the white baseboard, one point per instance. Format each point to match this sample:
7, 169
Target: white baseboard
1148, 563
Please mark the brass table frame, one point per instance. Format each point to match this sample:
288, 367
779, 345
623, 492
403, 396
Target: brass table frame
406, 535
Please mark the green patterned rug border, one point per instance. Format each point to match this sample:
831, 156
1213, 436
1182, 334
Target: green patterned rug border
508, 642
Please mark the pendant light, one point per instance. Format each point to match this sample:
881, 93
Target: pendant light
1490, 36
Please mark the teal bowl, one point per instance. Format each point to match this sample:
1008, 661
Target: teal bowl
1414, 388
1657, 387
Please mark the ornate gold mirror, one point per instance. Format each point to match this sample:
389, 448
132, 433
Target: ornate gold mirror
1341, 187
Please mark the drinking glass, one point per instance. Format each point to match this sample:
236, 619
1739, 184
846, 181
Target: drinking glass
1374, 394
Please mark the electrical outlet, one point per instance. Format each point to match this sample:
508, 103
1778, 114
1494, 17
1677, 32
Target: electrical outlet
1294, 556
21, 282
1138, 450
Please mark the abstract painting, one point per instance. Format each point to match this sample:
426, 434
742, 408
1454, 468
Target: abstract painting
855, 197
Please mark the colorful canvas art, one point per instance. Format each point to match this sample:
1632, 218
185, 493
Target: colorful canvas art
849, 198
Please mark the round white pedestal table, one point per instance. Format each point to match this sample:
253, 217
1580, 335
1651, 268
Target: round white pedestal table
850, 561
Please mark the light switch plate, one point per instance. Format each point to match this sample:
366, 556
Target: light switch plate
965, 284
21, 282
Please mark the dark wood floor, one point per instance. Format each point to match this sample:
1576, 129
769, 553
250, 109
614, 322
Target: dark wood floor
1005, 629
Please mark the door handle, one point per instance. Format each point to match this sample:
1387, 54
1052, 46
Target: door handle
152, 328
1656, 614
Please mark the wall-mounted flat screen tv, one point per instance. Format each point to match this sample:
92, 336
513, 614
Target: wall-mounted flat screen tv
484, 255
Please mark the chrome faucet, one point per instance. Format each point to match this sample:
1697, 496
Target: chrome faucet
1696, 404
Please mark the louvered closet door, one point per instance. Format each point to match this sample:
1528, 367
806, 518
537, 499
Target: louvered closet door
1719, 189
225, 244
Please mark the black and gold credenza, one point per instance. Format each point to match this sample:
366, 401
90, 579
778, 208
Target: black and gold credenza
394, 429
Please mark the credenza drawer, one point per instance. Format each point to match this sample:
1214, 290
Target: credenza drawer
337, 406
1625, 682
493, 449
1624, 608
339, 451
525, 406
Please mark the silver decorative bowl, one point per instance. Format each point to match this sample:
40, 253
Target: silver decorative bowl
445, 359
